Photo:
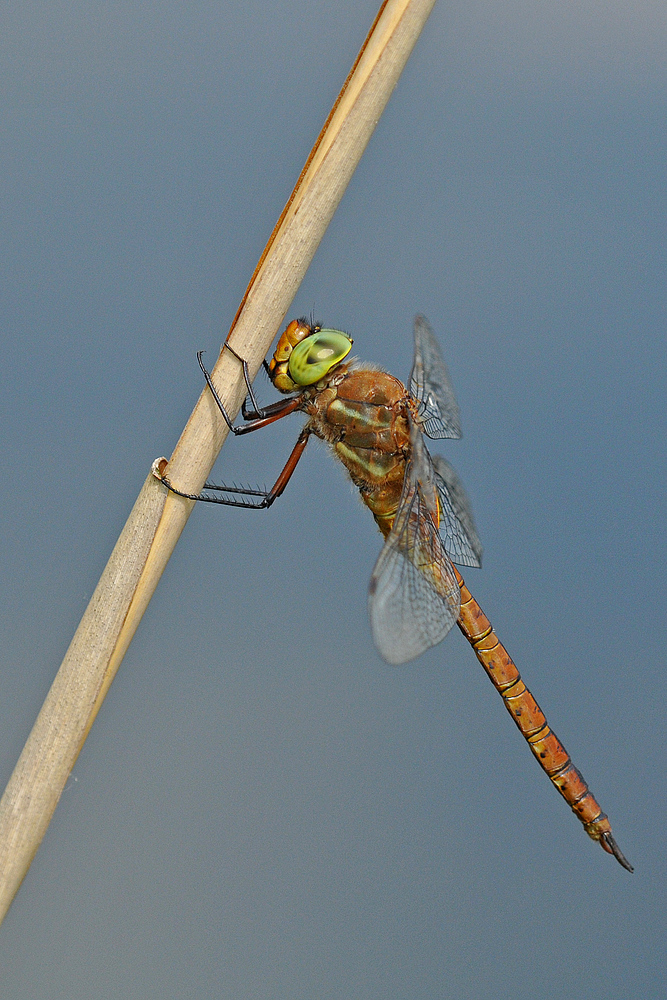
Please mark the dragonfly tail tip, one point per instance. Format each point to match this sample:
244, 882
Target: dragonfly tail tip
612, 847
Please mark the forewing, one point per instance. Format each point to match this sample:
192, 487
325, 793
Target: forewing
414, 598
431, 386
457, 525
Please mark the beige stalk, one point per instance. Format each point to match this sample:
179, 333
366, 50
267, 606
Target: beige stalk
158, 517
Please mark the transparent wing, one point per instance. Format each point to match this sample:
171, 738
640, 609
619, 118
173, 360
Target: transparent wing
457, 525
430, 385
414, 598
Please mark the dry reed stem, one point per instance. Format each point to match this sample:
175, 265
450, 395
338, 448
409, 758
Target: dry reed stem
157, 518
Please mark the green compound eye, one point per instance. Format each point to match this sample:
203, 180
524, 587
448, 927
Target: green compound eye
315, 356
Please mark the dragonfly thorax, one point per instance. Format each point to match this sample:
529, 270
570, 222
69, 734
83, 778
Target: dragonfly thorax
306, 354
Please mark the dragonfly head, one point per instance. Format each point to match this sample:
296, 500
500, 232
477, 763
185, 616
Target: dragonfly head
305, 354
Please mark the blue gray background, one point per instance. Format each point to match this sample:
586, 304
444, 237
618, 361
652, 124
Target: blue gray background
263, 808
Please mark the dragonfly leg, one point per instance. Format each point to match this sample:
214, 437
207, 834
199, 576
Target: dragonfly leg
255, 414
257, 499
247, 413
265, 416
257, 411
214, 393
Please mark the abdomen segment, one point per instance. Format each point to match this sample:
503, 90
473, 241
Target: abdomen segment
528, 716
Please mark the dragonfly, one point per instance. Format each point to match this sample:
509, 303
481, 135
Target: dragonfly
376, 427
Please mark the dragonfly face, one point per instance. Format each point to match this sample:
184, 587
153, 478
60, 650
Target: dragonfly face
306, 354
377, 427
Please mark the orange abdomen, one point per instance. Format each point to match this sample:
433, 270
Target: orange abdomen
550, 753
